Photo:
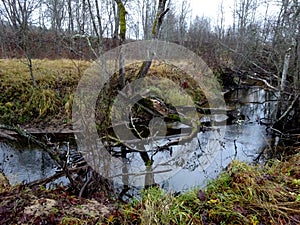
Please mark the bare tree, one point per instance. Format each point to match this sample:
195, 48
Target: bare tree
244, 14
220, 21
148, 11
170, 29
3, 37
122, 22
182, 22
286, 36
95, 19
199, 33
70, 17
56, 10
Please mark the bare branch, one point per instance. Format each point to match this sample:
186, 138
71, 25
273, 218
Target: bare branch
288, 110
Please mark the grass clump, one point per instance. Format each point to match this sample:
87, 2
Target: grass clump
243, 194
159, 207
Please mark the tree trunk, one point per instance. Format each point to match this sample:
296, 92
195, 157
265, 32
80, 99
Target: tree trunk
280, 105
161, 12
71, 23
29, 64
122, 22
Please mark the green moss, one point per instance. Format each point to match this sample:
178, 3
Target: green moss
122, 20
154, 27
174, 117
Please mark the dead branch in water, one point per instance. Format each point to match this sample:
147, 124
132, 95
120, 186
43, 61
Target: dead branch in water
84, 180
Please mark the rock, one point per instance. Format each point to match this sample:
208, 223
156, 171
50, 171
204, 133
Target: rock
40, 206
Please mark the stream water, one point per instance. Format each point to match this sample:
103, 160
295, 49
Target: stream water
244, 139
204, 157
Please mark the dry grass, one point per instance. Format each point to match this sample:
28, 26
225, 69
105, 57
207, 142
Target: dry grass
51, 102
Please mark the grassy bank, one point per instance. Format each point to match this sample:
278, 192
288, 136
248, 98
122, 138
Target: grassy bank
243, 194
50, 102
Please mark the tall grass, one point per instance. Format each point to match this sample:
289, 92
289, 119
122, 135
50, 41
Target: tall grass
56, 81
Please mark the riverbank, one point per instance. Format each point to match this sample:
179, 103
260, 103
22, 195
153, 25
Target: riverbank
242, 194
48, 105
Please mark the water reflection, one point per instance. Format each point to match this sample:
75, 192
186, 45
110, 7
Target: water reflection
24, 163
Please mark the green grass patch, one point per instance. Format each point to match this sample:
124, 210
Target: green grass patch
51, 102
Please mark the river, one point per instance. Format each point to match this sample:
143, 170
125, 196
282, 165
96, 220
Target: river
193, 164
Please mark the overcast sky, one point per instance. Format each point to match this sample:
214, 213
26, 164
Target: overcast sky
211, 8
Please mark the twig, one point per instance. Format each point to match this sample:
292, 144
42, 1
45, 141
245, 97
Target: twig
88, 180
140, 174
7, 136
88, 42
265, 82
46, 180
277, 131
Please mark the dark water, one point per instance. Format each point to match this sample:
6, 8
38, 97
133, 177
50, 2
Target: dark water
191, 164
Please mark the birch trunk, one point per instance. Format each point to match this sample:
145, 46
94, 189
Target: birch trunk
280, 106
